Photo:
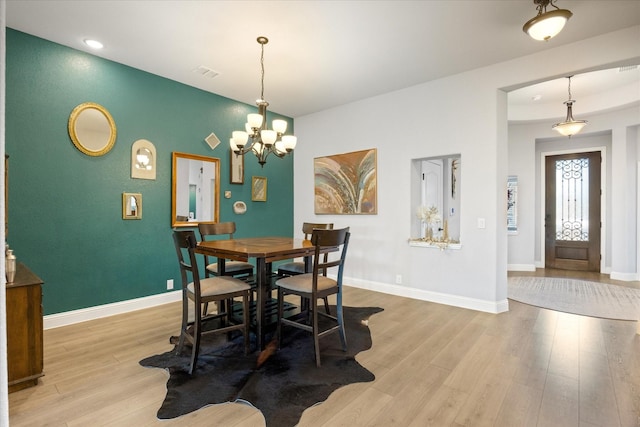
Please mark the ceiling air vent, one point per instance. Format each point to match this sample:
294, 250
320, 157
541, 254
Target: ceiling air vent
205, 71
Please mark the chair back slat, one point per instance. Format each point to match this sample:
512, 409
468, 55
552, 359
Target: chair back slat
210, 229
329, 238
185, 243
308, 227
216, 229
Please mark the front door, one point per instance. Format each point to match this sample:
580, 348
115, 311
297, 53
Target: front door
572, 211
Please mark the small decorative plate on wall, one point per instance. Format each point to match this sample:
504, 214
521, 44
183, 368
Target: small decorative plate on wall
239, 207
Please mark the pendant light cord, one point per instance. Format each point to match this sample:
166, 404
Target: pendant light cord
262, 73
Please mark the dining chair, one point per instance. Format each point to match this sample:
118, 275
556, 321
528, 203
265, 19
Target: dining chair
238, 269
202, 291
293, 268
297, 267
317, 285
231, 268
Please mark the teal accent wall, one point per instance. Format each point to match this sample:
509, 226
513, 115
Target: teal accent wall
65, 208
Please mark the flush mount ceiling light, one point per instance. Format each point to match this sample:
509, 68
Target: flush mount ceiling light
569, 126
93, 44
263, 141
546, 24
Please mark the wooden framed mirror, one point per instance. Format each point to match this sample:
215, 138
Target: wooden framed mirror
92, 129
195, 189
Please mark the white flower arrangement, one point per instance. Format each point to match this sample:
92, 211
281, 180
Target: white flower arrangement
429, 215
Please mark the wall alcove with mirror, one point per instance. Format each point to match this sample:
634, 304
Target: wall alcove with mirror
435, 201
195, 189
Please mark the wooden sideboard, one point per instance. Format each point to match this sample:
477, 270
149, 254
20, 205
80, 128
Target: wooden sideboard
24, 329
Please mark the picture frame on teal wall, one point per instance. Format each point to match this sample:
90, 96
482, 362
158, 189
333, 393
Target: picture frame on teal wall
258, 188
131, 206
236, 168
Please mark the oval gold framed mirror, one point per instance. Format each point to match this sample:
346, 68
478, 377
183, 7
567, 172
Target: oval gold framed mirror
92, 129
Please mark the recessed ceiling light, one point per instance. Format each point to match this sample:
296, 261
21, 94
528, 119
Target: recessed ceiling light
536, 97
93, 44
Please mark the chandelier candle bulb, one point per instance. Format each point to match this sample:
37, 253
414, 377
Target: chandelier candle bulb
254, 120
289, 142
268, 136
280, 126
240, 138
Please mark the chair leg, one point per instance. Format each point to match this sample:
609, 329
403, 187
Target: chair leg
340, 317
326, 305
315, 328
280, 314
185, 323
245, 319
205, 309
197, 332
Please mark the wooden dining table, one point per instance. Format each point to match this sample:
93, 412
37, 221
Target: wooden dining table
264, 250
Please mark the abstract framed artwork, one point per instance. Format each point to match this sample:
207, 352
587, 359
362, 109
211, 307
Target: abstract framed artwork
346, 184
258, 188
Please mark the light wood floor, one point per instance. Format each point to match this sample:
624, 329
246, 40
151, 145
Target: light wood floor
435, 365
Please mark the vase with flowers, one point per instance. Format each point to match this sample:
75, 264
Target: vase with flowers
431, 220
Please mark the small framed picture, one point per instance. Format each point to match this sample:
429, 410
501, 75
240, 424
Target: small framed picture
236, 168
259, 188
131, 206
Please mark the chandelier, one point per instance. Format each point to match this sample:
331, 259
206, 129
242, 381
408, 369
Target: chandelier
546, 25
569, 126
256, 138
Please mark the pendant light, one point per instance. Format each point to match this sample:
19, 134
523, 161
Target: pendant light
569, 126
546, 25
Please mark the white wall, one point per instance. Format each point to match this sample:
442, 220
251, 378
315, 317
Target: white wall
465, 114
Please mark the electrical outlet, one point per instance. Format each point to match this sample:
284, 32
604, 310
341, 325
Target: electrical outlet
398, 279
169, 284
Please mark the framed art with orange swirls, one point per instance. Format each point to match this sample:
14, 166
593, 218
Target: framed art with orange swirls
346, 184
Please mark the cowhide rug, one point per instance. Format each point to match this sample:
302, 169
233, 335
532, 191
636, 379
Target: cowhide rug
286, 384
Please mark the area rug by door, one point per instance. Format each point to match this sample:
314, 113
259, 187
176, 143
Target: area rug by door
282, 388
577, 296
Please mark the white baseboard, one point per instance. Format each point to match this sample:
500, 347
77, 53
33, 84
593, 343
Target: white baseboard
76, 316
625, 277
521, 267
440, 298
